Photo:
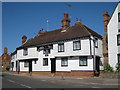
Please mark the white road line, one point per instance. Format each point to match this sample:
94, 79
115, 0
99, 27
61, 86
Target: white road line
25, 86
52, 81
43, 80
95, 87
11, 81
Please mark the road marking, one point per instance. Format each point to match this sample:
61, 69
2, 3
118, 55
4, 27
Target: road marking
95, 87
52, 81
25, 86
94, 83
11, 81
43, 80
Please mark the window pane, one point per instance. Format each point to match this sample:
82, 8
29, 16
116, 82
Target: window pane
76, 45
60, 47
45, 61
64, 61
118, 17
118, 39
118, 58
83, 61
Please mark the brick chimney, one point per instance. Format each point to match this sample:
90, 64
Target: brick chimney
24, 39
41, 32
105, 37
106, 20
65, 21
5, 50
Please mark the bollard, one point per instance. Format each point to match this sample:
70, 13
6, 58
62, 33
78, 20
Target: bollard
62, 76
30, 73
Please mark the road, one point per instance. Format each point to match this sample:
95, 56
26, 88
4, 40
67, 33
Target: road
15, 81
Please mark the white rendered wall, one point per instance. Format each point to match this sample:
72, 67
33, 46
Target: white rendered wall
112, 39
32, 53
68, 48
73, 64
22, 68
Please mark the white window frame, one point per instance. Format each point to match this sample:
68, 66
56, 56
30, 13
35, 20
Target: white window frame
61, 47
118, 39
25, 51
45, 61
83, 61
64, 62
96, 42
76, 45
26, 64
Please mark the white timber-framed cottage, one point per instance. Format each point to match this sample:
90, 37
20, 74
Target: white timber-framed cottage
71, 50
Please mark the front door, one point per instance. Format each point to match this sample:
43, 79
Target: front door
97, 64
30, 66
53, 65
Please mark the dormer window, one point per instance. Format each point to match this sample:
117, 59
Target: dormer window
25, 52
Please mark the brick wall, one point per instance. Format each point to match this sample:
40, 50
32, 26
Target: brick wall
66, 74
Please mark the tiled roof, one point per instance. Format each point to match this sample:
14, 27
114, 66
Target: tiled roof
76, 31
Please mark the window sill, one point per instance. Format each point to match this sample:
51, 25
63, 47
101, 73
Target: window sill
83, 65
76, 49
64, 65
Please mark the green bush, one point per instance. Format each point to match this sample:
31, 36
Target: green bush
108, 68
118, 67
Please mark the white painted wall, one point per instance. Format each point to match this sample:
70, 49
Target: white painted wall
112, 38
73, 64
85, 48
32, 53
22, 68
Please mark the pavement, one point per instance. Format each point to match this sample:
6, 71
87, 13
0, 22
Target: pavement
60, 82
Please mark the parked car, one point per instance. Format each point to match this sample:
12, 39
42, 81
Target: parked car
8, 68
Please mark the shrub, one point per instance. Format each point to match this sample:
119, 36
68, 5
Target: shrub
108, 68
118, 67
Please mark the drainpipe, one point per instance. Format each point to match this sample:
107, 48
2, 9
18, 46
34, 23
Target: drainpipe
94, 57
94, 60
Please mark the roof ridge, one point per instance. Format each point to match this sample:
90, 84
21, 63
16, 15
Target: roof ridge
84, 28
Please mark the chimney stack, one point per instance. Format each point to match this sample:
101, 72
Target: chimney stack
5, 50
24, 39
106, 20
65, 21
41, 32
105, 37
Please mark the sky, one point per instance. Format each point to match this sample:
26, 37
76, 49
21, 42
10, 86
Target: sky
27, 18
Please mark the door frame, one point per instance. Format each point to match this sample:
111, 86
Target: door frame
53, 65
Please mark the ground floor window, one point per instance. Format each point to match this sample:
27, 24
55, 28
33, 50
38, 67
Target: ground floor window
26, 64
83, 61
118, 58
45, 61
64, 61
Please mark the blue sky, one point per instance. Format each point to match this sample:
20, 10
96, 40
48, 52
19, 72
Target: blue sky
25, 18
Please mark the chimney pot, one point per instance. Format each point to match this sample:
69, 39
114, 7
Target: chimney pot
65, 21
66, 15
24, 39
5, 50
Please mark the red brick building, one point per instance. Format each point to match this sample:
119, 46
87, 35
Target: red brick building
5, 59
